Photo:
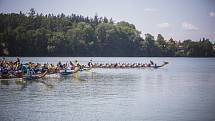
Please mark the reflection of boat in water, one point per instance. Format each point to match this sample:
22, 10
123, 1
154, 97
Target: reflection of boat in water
21, 83
18, 83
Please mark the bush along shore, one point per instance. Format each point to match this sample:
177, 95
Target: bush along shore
35, 34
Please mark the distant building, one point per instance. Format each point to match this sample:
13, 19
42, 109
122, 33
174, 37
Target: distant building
180, 46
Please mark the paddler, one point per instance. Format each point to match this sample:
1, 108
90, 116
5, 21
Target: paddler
59, 65
72, 66
77, 64
90, 64
151, 62
30, 69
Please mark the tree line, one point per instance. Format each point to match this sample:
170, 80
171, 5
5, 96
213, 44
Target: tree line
36, 34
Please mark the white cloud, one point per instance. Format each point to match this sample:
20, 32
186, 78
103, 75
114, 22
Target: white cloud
212, 14
150, 10
163, 25
189, 26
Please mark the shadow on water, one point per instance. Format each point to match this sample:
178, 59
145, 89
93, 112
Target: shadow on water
4, 82
22, 83
42, 81
14, 82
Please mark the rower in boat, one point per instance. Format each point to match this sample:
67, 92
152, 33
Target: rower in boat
18, 70
35, 71
24, 69
151, 62
44, 68
90, 64
30, 71
72, 66
165, 63
68, 70
59, 65
129, 65
52, 69
64, 70
10, 69
35, 76
4, 73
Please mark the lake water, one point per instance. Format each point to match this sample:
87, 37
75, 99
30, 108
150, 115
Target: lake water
184, 90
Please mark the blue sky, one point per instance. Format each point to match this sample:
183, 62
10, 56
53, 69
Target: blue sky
179, 19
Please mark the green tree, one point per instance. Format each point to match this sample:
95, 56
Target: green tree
162, 45
36, 34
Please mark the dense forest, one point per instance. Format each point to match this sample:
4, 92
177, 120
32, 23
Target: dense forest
36, 34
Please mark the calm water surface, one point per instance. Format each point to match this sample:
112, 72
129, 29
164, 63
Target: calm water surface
184, 90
